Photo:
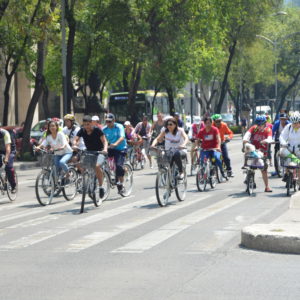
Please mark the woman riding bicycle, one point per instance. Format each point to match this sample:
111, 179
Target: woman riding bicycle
175, 139
58, 143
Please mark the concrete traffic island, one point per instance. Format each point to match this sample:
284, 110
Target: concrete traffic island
281, 236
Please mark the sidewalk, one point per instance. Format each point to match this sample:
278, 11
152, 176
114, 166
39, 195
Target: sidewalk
24, 165
281, 236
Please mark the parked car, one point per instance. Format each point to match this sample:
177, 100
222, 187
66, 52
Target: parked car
18, 131
228, 119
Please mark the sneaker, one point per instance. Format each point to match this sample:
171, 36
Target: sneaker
180, 176
101, 192
13, 191
120, 187
230, 174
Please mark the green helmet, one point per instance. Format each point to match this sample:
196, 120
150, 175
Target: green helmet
216, 117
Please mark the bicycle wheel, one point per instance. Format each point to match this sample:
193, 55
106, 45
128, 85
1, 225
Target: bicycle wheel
2, 186
106, 186
162, 189
134, 162
289, 183
142, 162
181, 186
250, 183
44, 187
12, 196
69, 188
128, 181
85, 187
213, 179
201, 179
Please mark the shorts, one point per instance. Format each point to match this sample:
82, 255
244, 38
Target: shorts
100, 160
146, 146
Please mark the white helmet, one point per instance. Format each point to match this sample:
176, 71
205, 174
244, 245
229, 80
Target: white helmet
295, 117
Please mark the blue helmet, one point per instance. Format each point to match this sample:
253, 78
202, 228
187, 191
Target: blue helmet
260, 120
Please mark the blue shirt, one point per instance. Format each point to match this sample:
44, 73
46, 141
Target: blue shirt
114, 133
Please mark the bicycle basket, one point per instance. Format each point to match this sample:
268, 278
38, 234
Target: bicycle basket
89, 160
164, 158
287, 162
47, 160
254, 162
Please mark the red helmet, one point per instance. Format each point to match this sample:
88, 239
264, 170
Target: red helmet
55, 119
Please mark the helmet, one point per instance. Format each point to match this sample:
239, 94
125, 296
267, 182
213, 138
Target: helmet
127, 123
295, 118
260, 120
55, 119
95, 118
69, 117
216, 117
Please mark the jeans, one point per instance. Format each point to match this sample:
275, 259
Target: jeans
119, 157
178, 156
212, 154
9, 170
225, 156
61, 161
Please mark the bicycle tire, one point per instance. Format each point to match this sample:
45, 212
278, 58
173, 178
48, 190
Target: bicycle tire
2, 185
73, 182
162, 180
106, 185
181, 183
85, 178
128, 181
289, 184
250, 183
200, 180
213, 179
46, 187
12, 196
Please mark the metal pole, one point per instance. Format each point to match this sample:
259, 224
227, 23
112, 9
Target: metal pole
64, 56
192, 118
276, 79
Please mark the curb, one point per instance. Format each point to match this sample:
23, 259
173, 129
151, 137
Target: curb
280, 238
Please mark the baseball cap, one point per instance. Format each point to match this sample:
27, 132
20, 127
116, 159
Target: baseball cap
283, 116
95, 118
127, 123
110, 117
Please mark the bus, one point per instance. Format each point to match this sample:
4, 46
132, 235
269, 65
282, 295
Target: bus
118, 105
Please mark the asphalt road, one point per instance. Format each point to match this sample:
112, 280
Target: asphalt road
130, 248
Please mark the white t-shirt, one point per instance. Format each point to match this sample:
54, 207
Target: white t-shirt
173, 141
59, 142
289, 135
72, 134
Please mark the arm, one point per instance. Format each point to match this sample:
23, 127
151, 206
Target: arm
218, 142
284, 136
104, 142
229, 132
7, 152
186, 139
120, 139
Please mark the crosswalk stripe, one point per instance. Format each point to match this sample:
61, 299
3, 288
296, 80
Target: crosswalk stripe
167, 231
98, 237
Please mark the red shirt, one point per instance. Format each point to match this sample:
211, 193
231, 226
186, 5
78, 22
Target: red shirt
259, 135
209, 139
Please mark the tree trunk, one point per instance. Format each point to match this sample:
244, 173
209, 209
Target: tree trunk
125, 80
225, 79
286, 92
3, 6
45, 103
38, 89
171, 100
6, 98
135, 82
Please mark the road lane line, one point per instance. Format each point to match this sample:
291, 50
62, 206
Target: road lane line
169, 230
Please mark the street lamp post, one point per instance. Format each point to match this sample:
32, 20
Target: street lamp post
192, 118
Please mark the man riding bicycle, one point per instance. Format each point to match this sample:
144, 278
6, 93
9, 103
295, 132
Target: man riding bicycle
224, 131
210, 140
8, 149
115, 135
94, 140
260, 136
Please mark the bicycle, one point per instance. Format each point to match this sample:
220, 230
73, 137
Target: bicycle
137, 158
50, 182
252, 164
5, 185
195, 160
90, 184
109, 168
207, 173
291, 171
166, 178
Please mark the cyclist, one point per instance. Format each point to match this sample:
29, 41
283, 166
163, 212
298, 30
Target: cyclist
193, 132
290, 137
179, 121
209, 136
94, 140
175, 139
8, 149
157, 125
115, 135
260, 136
277, 129
144, 130
96, 121
132, 138
58, 143
224, 130
243, 125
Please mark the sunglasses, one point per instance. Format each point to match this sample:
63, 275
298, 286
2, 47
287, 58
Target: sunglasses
108, 121
170, 124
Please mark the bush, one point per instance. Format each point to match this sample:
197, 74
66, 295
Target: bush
236, 129
27, 156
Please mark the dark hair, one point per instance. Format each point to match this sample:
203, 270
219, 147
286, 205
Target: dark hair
48, 128
87, 118
174, 121
207, 119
